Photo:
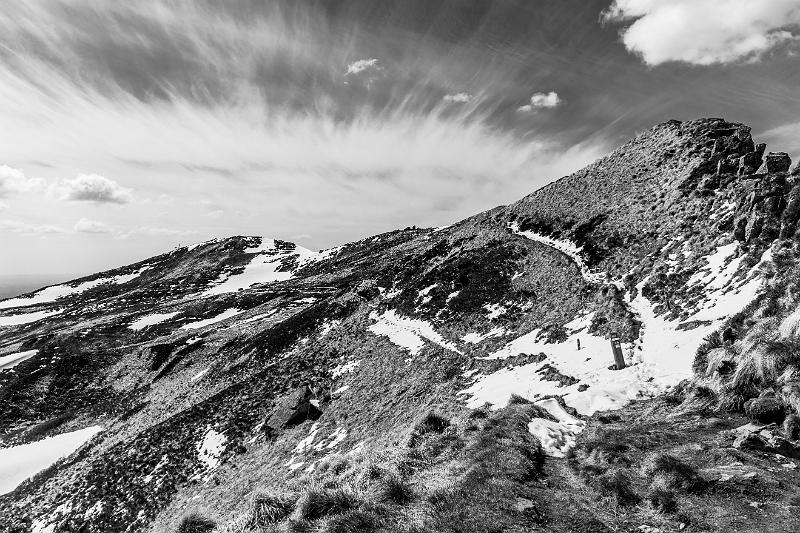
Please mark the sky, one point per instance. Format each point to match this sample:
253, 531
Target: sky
129, 128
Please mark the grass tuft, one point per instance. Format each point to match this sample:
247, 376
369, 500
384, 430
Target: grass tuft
195, 523
269, 509
321, 502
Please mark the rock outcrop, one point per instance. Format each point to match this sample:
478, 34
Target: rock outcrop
293, 409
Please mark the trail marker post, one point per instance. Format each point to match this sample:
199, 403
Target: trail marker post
616, 348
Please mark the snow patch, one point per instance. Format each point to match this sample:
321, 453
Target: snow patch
10, 361
556, 437
151, 320
213, 320
264, 267
476, 338
407, 333
18, 463
27, 318
199, 375
345, 368
568, 248
210, 449
53, 293
495, 311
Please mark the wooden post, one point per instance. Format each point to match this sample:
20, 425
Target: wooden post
616, 348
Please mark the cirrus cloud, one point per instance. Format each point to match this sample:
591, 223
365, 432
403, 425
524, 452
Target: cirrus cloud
704, 32
458, 98
17, 226
92, 188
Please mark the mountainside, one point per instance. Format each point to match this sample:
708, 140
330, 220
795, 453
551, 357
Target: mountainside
451, 379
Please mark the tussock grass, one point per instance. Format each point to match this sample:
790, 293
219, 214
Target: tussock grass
395, 489
661, 494
671, 472
268, 509
617, 485
318, 502
195, 523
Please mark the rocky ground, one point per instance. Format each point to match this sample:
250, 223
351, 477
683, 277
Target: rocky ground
432, 379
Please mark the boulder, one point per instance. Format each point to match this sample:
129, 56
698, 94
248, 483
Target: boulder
750, 162
791, 427
294, 408
765, 409
774, 163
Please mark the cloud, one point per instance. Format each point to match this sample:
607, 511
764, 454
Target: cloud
13, 181
217, 213
16, 226
541, 101
92, 188
459, 98
84, 225
704, 32
357, 67
3, 206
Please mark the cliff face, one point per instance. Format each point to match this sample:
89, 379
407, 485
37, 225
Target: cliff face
217, 371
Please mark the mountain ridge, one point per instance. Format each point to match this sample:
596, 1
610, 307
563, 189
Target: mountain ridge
203, 364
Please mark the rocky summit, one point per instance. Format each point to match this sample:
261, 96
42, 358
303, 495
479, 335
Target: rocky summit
617, 351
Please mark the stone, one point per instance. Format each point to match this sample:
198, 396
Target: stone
774, 163
791, 427
765, 409
293, 409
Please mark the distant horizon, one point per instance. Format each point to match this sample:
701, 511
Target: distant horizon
12, 285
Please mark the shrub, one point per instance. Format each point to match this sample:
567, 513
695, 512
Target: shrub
317, 503
269, 509
194, 523
616, 484
432, 423
394, 489
671, 472
661, 496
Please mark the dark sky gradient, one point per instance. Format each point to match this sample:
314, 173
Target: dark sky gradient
240, 116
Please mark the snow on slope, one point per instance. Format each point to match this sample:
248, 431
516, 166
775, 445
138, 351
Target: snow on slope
213, 320
151, 320
568, 248
51, 294
660, 358
264, 267
408, 333
18, 463
26, 318
10, 361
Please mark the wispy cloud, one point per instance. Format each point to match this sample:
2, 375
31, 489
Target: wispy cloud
17, 226
85, 225
460, 98
704, 32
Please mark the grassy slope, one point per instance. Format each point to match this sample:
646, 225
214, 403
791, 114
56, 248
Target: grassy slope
623, 209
